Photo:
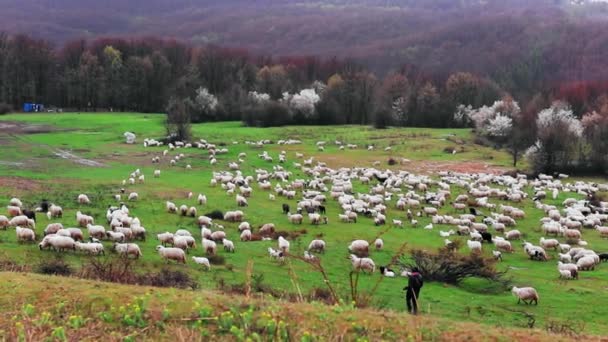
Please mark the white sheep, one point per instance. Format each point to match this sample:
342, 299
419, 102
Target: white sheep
379, 244
565, 258
359, 247
586, 263
92, 248
4, 222
202, 261
57, 242
25, 234
156, 173
133, 196
363, 264
98, 232
83, 199
171, 253
317, 246
549, 243
228, 245
246, 235
474, 246
127, 249
283, 244
525, 294
52, 228
209, 246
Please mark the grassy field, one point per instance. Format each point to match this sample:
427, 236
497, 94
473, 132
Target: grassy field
31, 170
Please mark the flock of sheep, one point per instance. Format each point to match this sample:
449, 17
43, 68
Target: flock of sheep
481, 207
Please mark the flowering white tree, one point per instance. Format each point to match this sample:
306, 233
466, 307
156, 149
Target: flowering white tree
495, 121
303, 102
499, 126
205, 101
259, 98
559, 133
558, 116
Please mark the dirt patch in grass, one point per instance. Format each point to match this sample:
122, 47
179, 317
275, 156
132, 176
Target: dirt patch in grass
468, 167
79, 160
19, 184
12, 127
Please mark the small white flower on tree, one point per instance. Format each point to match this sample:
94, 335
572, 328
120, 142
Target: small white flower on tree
494, 121
259, 98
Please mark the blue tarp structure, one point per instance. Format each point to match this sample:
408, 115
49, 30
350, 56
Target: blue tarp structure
32, 107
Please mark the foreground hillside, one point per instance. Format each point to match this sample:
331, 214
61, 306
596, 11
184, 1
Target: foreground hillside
36, 307
59, 156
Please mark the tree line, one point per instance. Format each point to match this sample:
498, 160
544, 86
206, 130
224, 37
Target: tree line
210, 83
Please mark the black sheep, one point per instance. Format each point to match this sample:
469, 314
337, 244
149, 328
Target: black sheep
30, 214
487, 237
285, 208
322, 209
44, 205
603, 256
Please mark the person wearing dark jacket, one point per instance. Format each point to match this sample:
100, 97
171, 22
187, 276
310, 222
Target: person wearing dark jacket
413, 290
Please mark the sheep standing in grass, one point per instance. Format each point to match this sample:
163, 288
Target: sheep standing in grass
283, 244
317, 246
57, 242
98, 232
379, 244
246, 235
83, 199
525, 294
549, 243
362, 264
360, 247
228, 245
22, 221
209, 246
202, 261
171, 253
127, 249
4, 222
91, 248
25, 234
474, 246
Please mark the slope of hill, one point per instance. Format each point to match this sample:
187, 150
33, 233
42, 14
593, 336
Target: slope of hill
440, 35
40, 307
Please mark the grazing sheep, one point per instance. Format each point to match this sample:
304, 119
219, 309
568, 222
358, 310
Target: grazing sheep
295, 218
92, 248
586, 263
22, 221
52, 228
549, 243
165, 238
171, 253
379, 244
115, 236
246, 235
497, 255
25, 234
474, 246
205, 221
83, 220
362, 264
228, 245
317, 246
83, 199
525, 294
57, 242
359, 247
171, 208
535, 252
267, 229
98, 232
209, 246
4, 222
54, 211
127, 249
283, 244
566, 258
513, 235
218, 235
202, 261
133, 196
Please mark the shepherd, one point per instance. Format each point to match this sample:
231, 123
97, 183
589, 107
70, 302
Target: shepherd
412, 289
